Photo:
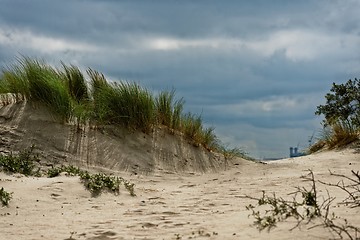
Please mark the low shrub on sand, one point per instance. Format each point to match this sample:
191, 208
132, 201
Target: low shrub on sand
5, 197
23, 163
95, 183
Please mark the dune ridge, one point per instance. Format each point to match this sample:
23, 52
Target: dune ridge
108, 147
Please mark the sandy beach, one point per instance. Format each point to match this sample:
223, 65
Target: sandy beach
173, 205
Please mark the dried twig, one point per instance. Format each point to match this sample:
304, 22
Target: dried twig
281, 209
352, 188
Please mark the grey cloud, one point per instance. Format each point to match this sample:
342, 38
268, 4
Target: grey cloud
222, 57
86, 19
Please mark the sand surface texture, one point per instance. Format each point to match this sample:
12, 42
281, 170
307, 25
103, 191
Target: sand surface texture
172, 206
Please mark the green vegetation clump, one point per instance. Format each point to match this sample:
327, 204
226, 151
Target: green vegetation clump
74, 99
95, 183
23, 163
230, 153
342, 116
70, 170
5, 197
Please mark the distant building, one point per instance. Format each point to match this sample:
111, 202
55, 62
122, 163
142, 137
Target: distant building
295, 153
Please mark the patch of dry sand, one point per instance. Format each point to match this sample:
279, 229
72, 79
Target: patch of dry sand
170, 206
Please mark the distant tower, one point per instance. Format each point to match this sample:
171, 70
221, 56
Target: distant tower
294, 152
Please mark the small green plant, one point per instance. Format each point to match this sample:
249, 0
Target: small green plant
5, 197
230, 153
130, 187
54, 172
99, 182
70, 170
23, 163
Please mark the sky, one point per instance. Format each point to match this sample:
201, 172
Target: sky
255, 70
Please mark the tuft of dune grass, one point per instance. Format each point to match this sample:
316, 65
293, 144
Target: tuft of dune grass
338, 134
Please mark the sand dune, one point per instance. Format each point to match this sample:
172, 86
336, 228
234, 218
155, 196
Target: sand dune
171, 206
23, 124
183, 191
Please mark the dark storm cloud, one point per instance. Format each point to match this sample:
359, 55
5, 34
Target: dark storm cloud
256, 70
109, 20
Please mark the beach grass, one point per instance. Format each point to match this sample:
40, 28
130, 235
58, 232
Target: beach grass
168, 109
39, 82
337, 135
340, 134
74, 98
123, 103
75, 82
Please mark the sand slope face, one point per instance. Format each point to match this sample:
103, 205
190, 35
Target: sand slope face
23, 124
